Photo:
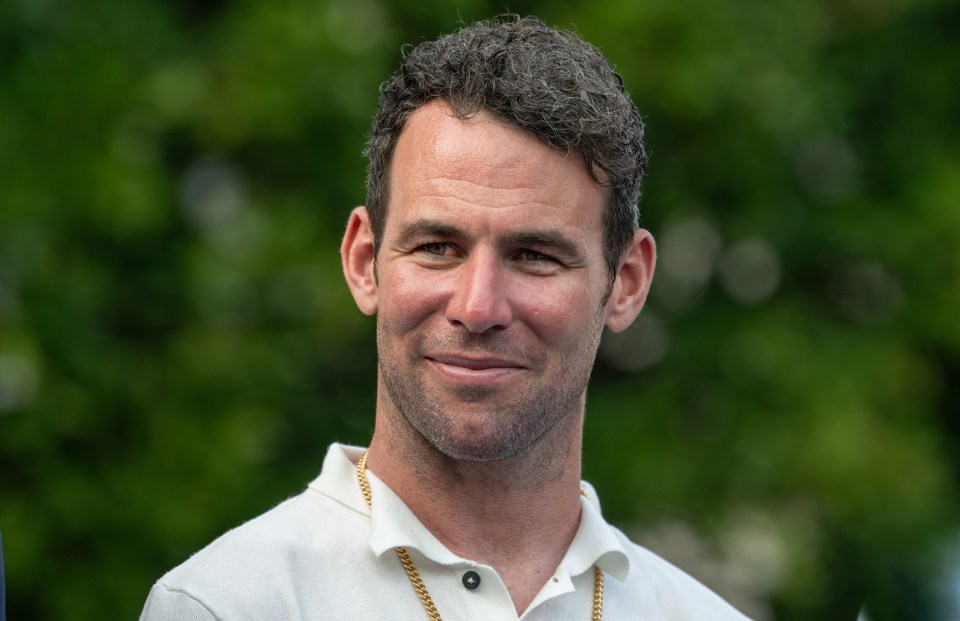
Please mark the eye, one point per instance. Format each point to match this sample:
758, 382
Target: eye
534, 256
536, 263
436, 249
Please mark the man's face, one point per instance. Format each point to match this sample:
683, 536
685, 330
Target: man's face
490, 284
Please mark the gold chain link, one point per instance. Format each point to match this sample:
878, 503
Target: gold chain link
417, 581
597, 594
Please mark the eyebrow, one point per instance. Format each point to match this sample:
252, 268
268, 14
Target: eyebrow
546, 239
430, 228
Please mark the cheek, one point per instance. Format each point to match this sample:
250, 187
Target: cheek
406, 299
563, 316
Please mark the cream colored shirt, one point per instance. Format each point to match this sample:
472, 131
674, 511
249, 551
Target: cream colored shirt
324, 555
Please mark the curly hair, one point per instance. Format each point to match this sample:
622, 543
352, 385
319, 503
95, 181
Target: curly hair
529, 75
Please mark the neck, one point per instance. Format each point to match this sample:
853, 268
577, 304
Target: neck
517, 515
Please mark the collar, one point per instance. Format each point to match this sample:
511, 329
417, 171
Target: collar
338, 477
393, 524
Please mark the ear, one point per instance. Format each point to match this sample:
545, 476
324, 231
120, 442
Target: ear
358, 255
632, 282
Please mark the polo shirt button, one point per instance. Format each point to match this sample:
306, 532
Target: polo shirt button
471, 580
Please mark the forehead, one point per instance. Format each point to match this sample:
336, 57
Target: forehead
482, 165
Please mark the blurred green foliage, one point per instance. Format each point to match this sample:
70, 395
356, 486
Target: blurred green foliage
177, 347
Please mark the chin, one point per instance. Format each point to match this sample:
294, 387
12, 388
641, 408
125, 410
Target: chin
475, 452
478, 446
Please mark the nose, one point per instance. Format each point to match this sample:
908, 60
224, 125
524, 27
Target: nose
479, 301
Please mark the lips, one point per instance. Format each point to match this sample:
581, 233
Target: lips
475, 363
459, 369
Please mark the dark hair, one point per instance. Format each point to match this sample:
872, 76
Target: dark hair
529, 75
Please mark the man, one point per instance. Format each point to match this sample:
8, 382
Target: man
499, 238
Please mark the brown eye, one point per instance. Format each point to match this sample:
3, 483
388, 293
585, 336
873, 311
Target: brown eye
533, 255
435, 248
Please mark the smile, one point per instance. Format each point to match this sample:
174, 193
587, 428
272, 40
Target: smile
469, 370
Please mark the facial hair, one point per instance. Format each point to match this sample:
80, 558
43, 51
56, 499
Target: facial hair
475, 423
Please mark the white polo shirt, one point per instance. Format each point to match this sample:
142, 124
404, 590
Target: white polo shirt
324, 555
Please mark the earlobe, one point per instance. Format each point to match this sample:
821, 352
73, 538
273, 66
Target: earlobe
358, 255
632, 282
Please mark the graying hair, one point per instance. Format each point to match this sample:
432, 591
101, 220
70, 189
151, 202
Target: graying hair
529, 75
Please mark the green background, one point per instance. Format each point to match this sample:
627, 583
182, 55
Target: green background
177, 346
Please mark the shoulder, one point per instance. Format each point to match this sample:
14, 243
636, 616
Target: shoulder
259, 569
670, 590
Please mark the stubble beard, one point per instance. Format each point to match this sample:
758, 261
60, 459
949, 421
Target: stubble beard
514, 426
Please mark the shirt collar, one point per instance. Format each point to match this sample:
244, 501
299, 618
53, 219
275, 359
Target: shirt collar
338, 478
393, 524
595, 542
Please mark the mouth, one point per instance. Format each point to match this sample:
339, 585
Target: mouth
460, 369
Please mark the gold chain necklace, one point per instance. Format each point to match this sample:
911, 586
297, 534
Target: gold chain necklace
417, 581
